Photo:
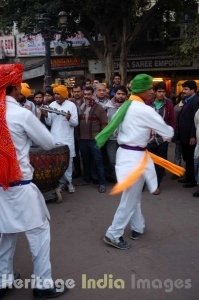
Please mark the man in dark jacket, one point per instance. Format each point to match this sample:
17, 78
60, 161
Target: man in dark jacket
92, 119
187, 131
157, 145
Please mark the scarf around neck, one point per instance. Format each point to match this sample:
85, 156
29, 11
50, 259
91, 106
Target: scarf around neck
117, 119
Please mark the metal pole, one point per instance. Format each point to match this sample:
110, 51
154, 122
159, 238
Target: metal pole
48, 73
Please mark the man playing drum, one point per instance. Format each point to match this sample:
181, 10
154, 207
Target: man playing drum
22, 206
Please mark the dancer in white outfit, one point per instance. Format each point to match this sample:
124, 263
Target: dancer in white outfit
133, 136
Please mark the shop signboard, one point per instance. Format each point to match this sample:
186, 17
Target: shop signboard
147, 63
34, 45
156, 63
76, 40
64, 62
1, 53
30, 45
7, 44
62, 47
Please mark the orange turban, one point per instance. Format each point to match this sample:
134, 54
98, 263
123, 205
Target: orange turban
25, 89
10, 75
61, 90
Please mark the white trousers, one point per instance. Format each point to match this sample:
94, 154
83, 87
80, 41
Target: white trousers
67, 177
128, 211
39, 243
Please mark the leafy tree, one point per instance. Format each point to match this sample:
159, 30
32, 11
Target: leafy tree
190, 44
120, 23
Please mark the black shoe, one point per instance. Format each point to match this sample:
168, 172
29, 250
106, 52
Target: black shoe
135, 235
196, 194
182, 180
102, 188
76, 175
174, 177
48, 293
189, 185
111, 179
122, 244
4, 291
95, 181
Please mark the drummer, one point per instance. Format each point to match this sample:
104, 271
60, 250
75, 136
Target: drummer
62, 129
22, 206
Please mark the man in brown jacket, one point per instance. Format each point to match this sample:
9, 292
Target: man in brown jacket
92, 120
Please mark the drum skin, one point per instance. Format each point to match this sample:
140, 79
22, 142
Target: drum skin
49, 166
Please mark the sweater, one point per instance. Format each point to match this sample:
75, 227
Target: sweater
90, 126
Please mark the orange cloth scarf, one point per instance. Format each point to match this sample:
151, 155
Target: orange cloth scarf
137, 173
10, 75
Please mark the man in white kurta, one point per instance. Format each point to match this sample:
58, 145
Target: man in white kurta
62, 128
133, 136
22, 206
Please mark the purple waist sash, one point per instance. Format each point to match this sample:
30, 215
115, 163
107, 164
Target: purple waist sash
135, 148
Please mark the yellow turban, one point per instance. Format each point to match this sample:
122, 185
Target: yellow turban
25, 89
61, 90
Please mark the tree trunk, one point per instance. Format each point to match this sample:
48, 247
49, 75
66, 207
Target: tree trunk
108, 59
124, 53
108, 62
123, 62
105, 55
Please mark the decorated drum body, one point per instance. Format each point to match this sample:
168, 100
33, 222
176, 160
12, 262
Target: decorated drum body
49, 166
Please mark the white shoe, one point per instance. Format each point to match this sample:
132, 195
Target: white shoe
58, 192
71, 188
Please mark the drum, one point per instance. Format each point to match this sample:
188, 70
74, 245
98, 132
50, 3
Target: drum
49, 166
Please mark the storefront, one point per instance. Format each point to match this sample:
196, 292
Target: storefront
68, 70
65, 68
163, 68
171, 70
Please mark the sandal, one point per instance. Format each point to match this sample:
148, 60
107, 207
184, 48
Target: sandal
157, 192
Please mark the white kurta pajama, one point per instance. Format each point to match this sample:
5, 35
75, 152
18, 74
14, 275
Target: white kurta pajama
23, 208
135, 130
63, 130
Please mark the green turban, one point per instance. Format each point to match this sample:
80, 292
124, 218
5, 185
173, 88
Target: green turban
141, 83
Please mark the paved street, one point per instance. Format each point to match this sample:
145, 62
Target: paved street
167, 252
